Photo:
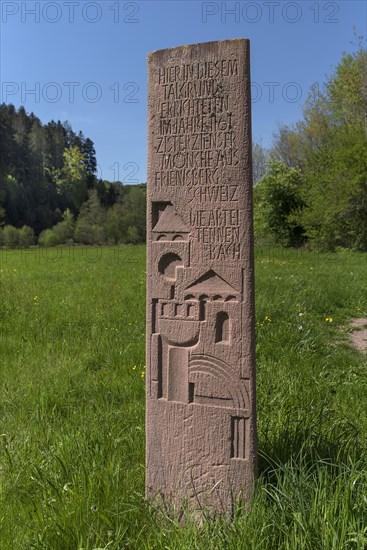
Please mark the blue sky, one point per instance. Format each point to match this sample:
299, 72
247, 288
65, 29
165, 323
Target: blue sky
85, 61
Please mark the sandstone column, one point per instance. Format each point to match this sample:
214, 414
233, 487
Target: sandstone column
201, 412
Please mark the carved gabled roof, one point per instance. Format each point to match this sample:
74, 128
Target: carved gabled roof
170, 221
211, 283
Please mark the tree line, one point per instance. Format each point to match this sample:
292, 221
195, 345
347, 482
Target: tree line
49, 192
310, 187
313, 185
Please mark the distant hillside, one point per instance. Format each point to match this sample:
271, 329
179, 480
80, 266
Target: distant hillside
48, 178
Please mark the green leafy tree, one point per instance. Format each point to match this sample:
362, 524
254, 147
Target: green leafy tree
128, 212
44, 169
10, 236
278, 204
260, 159
72, 182
26, 236
336, 153
64, 231
116, 230
132, 236
48, 238
329, 147
287, 146
135, 210
90, 225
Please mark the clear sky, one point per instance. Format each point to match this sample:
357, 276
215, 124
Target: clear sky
85, 61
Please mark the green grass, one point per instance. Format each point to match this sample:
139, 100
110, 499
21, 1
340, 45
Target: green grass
72, 326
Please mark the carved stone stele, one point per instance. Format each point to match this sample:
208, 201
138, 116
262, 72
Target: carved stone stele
200, 409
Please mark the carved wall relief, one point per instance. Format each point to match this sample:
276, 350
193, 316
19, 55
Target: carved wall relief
201, 429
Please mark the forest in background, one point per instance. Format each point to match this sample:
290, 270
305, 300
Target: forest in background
49, 192
312, 184
310, 188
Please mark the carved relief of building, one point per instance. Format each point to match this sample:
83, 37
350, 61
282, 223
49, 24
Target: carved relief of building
201, 425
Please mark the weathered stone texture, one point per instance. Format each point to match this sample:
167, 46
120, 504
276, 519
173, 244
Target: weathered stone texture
201, 417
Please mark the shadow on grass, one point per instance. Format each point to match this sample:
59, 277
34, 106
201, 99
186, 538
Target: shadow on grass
309, 441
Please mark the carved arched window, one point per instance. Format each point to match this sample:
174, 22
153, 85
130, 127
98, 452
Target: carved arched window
202, 307
222, 327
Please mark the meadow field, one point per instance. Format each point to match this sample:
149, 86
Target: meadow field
72, 340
